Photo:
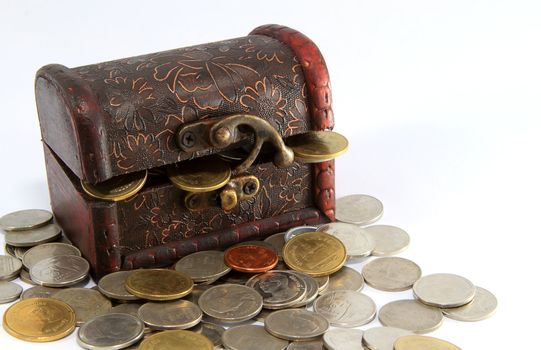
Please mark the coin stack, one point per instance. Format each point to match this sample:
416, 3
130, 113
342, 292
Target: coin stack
293, 290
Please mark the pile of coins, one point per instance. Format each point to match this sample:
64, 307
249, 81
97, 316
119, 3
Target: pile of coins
291, 291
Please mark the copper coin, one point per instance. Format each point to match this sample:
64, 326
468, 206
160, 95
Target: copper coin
251, 258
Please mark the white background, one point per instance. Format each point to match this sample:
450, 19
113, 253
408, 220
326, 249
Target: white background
439, 99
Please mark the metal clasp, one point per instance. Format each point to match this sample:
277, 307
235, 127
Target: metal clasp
223, 132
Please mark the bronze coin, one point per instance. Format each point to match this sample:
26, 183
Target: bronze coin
251, 258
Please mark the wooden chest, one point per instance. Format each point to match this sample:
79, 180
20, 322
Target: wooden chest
146, 113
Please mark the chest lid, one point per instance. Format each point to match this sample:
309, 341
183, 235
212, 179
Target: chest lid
123, 116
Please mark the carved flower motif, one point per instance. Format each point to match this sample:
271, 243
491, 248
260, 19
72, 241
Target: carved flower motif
141, 150
204, 79
263, 51
299, 115
265, 100
131, 101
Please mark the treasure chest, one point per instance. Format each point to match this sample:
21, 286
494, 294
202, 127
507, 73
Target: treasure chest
153, 157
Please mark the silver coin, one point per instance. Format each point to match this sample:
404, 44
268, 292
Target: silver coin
113, 286
33, 237
383, 338
345, 279
312, 289
343, 339
42, 251
87, 303
388, 240
25, 219
296, 324
277, 241
279, 289
9, 291
110, 331
391, 274
203, 266
411, 315
230, 303
322, 282
235, 277
249, 337
60, 271
306, 345
197, 291
39, 292
299, 230
444, 290
126, 308
178, 314
356, 241
9, 267
212, 331
346, 308
483, 305
25, 277
359, 209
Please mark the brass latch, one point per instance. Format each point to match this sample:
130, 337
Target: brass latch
237, 189
223, 132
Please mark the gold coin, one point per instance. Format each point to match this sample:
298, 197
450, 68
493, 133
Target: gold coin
200, 175
419, 342
315, 253
39, 319
158, 284
317, 146
176, 340
117, 188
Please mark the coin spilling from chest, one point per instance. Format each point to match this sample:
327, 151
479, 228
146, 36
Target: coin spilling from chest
39, 320
315, 253
251, 258
420, 342
110, 331
346, 308
444, 290
118, 188
388, 240
25, 219
346, 278
60, 271
343, 339
483, 305
203, 266
296, 324
87, 303
231, 303
410, 315
391, 274
317, 146
9, 267
279, 289
306, 345
178, 314
158, 284
33, 237
358, 243
212, 331
176, 340
359, 209
43, 251
383, 338
249, 337
113, 286
200, 175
